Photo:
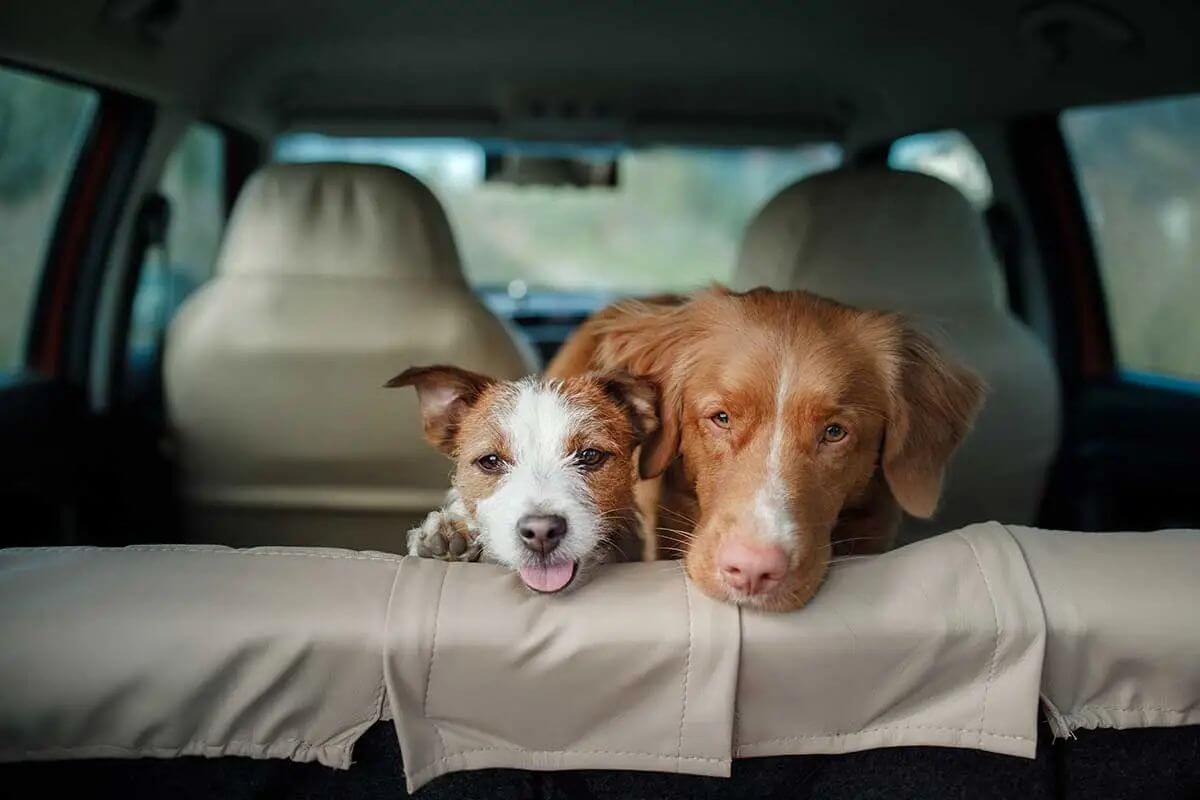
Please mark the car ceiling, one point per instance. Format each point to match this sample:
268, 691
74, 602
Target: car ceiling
633, 72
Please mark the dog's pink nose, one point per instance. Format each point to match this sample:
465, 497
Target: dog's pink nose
751, 567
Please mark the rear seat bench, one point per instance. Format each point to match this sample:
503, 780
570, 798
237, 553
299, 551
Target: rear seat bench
919, 671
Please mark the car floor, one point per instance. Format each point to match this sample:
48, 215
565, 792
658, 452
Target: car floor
1152, 763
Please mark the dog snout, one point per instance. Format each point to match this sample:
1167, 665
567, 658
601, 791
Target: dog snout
542, 533
750, 567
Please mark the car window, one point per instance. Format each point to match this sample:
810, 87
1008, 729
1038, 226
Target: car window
948, 155
43, 124
1138, 167
673, 222
193, 183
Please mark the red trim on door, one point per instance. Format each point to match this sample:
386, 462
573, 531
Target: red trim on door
76, 223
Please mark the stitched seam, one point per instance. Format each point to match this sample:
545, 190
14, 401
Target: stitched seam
659, 756
687, 667
375, 708
437, 618
393, 559
1137, 708
996, 647
375, 712
880, 729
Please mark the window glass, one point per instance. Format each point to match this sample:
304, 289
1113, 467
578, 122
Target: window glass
43, 124
1138, 167
673, 222
948, 155
193, 183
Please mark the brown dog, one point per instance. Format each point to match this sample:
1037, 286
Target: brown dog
793, 427
543, 470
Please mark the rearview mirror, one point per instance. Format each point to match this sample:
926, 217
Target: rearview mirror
525, 170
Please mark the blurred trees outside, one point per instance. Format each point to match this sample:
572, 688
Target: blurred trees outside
673, 223
1138, 166
42, 125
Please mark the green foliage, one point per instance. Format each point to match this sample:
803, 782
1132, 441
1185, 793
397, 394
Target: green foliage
42, 123
1139, 170
36, 131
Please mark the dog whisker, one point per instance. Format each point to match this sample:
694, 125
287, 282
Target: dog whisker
843, 559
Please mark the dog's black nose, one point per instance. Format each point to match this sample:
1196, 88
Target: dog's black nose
542, 532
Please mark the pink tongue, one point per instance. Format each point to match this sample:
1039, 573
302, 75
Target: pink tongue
549, 578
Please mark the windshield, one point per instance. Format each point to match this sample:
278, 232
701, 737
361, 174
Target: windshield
672, 223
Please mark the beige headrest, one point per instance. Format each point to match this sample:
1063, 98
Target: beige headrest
875, 238
332, 279
359, 220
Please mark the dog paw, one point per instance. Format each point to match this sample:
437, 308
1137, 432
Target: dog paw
446, 537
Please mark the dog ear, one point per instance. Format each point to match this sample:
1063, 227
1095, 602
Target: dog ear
639, 398
934, 402
661, 448
445, 393
650, 338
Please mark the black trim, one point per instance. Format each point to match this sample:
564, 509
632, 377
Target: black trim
243, 155
138, 118
1046, 177
1005, 233
150, 228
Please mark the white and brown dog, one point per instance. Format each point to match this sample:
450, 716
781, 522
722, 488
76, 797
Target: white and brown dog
544, 470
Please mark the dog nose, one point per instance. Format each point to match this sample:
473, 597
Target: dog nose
751, 567
542, 532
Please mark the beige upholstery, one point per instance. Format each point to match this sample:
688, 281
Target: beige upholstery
332, 279
641, 673
174, 651
907, 242
167, 651
1124, 649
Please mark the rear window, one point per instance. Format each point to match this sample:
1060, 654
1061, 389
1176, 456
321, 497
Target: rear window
1138, 167
673, 222
43, 124
948, 155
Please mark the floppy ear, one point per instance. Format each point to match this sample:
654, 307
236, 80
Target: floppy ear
661, 447
934, 402
650, 339
445, 394
639, 398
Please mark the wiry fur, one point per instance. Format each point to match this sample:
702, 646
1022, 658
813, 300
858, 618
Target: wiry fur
536, 427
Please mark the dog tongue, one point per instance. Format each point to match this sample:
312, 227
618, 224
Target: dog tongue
548, 578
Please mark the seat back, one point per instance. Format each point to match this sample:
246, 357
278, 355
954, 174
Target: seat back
332, 279
906, 242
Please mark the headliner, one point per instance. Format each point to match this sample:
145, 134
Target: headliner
631, 72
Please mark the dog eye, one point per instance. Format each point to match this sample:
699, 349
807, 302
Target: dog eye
721, 419
833, 433
590, 457
490, 463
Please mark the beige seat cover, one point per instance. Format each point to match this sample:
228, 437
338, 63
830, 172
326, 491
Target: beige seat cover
332, 279
166, 651
907, 242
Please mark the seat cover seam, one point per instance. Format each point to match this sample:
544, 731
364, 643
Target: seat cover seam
437, 618
687, 667
987, 686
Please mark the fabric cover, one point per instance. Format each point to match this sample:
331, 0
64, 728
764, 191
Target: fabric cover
291, 653
1124, 649
907, 242
332, 278
170, 651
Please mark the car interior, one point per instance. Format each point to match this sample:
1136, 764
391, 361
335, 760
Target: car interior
224, 226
